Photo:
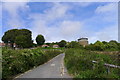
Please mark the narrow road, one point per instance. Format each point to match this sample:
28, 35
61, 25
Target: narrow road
52, 69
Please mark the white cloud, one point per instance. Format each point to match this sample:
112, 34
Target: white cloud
105, 20
41, 21
66, 29
57, 11
70, 29
0, 20
13, 10
109, 12
111, 7
106, 34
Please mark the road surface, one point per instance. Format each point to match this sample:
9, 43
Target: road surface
52, 69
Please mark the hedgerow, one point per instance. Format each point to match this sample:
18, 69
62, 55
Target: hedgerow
18, 61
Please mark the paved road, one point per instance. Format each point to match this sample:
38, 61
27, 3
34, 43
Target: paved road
52, 69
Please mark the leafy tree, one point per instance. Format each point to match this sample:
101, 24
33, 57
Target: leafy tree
62, 43
104, 42
9, 36
99, 46
74, 44
40, 39
90, 47
16, 35
21, 41
24, 38
113, 45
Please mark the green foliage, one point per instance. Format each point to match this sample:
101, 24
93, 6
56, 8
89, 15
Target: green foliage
79, 64
74, 44
104, 46
40, 39
9, 36
19, 61
62, 43
23, 42
22, 37
99, 46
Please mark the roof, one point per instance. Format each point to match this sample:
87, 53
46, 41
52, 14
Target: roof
2, 44
83, 39
45, 45
55, 45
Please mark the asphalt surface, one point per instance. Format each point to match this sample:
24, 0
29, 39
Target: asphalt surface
52, 69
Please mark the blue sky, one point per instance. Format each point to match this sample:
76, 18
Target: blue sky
63, 20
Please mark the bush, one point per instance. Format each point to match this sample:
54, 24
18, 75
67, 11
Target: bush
79, 64
19, 61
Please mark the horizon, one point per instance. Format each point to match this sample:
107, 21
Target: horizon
58, 21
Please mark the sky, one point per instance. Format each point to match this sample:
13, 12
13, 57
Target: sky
58, 21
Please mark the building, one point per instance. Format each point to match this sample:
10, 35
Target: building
2, 44
45, 46
83, 41
55, 46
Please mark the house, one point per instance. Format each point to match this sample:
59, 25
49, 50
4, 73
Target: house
83, 41
2, 44
45, 46
55, 46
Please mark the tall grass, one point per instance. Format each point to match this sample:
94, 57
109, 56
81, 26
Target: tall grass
79, 64
19, 61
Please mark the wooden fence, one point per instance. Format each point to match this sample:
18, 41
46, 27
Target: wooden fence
108, 66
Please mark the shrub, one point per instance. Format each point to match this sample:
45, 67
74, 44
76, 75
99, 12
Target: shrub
19, 61
79, 64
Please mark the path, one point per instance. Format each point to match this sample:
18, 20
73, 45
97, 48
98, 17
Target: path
52, 69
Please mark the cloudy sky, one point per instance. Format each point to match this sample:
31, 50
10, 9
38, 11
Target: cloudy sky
63, 20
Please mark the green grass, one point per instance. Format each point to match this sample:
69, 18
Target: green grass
19, 61
79, 64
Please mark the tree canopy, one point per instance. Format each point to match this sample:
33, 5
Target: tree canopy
62, 43
74, 44
40, 39
22, 37
9, 36
104, 46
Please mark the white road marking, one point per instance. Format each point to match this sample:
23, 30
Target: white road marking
52, 65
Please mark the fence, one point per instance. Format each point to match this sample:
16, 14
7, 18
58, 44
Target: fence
108, 66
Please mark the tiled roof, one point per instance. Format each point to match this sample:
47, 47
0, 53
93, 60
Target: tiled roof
2, 44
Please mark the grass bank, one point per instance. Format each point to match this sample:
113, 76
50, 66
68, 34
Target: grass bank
79, 64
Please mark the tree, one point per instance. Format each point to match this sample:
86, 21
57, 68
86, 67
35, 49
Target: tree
21, 41
74, 44
62, 43
113, 45
40, 39
9, 36
104, 42
22, 37
90, 47
27, 38
99, 46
